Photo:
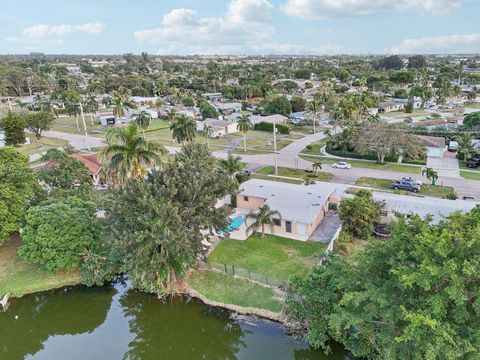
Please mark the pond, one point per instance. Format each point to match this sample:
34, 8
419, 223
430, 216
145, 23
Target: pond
117, 322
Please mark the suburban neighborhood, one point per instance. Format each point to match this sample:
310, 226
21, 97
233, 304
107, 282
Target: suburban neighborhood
220, 197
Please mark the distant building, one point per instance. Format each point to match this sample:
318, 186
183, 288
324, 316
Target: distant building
219, 127
277, 119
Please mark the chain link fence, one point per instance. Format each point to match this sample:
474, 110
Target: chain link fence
231, 269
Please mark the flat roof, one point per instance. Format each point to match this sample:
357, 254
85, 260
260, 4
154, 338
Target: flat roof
298, 203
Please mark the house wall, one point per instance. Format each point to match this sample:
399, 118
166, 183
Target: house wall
253, 203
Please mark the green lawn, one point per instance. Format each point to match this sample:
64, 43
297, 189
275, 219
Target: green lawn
367, 164
314, 148
427, 189
39, 146
297, 173
463, 166
470, 175
69, 124
231, 290
20, 278
272, 256
273, 178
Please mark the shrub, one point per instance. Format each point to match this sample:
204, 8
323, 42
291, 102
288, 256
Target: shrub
266, 126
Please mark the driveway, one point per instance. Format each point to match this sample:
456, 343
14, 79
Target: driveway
443, 162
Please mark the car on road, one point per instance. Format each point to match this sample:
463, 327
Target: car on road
412, 180
405, 185
342, 165
473, 163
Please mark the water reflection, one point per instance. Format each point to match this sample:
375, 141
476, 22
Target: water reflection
116, 322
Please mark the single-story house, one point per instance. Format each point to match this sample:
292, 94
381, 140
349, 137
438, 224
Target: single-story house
301, 207
93, 165
276, 118
228, 107
213, 97
219, 127
391, 105
144, 100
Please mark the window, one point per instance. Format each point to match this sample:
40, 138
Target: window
277, 222
245, 198
288, 226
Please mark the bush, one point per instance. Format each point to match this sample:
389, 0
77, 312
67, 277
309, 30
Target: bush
388, 158
57, 232
266, 126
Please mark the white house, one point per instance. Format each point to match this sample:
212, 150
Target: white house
2, 139
144, 100
228, 107
219, 127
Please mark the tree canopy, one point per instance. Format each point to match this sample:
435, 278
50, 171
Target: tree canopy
158, 224
13, 125
18, 184
38, 122
57, 231
415, 296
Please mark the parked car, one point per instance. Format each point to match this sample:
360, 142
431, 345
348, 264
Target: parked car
342, 165
473, 163
452, 146
412, 180
405, 185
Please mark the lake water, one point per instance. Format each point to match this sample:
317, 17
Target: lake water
117, 322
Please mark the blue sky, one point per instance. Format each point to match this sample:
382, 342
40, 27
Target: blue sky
240, 26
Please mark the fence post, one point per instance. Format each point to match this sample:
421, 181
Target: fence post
266, 280
249, 275
225, 265
233, 269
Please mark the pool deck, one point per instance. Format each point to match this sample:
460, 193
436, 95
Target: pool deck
241, 232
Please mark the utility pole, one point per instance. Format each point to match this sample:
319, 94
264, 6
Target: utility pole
275, 147
84, 126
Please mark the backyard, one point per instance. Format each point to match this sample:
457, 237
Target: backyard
42, 145
273, 256
20, 278
227, 289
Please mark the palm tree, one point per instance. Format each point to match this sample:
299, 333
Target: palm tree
120, 105
231, 164
90, 105
263, 216
316, 165
430, 174
207, 132
142, 119
244, 124
313, 110
465, 145
128, 155
183, 128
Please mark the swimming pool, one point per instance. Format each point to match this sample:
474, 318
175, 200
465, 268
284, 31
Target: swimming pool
236, 221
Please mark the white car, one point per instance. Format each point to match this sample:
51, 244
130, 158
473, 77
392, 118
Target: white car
342, 165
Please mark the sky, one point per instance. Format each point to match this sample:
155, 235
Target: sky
240, 27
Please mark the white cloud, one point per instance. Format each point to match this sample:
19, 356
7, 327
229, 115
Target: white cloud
469, 43
245, 23
327, 9
41, 31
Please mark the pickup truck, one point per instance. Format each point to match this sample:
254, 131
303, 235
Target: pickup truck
405, 185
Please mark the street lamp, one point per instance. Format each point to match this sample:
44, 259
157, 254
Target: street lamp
275, 147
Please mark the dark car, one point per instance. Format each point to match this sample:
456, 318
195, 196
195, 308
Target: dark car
473, 163
405, 185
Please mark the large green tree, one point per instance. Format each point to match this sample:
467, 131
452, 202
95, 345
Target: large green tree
13, 125
158, 224
415, 296
63, 171
18, 184
360, 213
38, 122
57, 231
279, 105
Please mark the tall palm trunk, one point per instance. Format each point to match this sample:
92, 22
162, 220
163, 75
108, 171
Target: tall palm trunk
78, 125
244, 142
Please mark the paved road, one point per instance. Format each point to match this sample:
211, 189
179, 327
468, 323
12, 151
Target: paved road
288, 157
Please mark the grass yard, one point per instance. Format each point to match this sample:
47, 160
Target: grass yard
20, 278
272, 256
231, 290
367, 164
470, 175
314, 148
427, 189
39, 146
273, 178
68, 124
297, 173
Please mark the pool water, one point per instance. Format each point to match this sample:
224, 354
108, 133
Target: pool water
236, 221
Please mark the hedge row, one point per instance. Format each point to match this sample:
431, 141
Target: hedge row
388, 158
266, 126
